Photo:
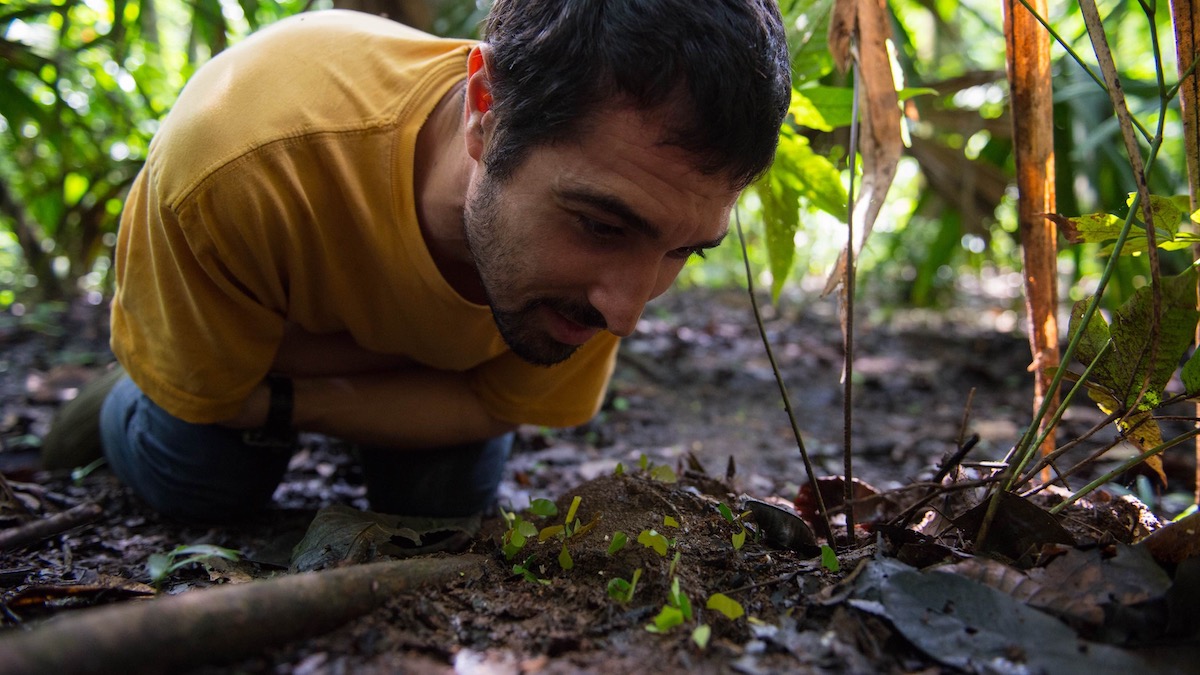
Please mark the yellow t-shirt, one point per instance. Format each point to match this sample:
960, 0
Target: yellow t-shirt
280, 188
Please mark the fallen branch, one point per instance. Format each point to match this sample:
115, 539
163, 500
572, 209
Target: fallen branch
37, 530
218, 624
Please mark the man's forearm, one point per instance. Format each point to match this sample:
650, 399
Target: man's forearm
410, 408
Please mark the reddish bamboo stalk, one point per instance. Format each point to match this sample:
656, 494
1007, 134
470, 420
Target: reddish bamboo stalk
1028, 59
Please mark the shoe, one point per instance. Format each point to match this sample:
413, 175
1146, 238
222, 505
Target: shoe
74, 436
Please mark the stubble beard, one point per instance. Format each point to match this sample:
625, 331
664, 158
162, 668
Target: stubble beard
498, 263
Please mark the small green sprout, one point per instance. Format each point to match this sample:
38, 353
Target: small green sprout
654, 540
518, 532
162, 565
620, 470
674, 564
829, 559
621, 590
564, 558
739, 537
81, 472
732, 609
571, 511
677, 610
523, 570
619, 539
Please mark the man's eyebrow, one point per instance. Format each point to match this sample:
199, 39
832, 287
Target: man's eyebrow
625, 213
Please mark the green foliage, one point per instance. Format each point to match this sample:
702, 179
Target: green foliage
543, 507
83, 86
677, 610
162, 565
523, 569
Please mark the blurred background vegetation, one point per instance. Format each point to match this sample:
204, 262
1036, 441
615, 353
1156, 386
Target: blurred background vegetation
83, 84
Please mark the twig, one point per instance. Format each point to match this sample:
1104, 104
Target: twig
848, 326
48, 527
787, 400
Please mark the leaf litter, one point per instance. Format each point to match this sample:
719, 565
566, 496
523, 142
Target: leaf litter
1086, 602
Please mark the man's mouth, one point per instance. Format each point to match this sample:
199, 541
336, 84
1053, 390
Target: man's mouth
568, 331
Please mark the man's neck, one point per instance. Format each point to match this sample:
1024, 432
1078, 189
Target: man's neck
441, 170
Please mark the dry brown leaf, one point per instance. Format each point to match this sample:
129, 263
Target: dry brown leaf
861, 30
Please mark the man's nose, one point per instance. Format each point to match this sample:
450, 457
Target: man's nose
622, 294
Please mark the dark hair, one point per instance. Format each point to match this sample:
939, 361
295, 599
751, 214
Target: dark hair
718, 68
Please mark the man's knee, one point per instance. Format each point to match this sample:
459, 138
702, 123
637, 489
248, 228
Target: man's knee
190, 472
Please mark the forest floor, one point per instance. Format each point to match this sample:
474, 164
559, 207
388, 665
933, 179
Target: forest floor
693, 431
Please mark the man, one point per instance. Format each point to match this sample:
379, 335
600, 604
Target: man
415, 244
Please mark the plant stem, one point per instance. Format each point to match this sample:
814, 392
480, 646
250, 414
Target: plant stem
787, 401
1123, 467
848, 328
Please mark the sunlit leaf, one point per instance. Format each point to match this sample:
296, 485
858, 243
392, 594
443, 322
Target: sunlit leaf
829, 559
670, 522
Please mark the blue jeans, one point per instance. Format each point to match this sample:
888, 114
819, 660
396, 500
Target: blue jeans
208, 474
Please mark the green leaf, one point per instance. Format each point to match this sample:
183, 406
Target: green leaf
667, 619
618, 589
808, 40
208, 551
620, 470
732, 609
668, 521
157, 567
701, 634
551, 531
1127, 364
822, 108
543, 507
1165, 211
564, 558
739, 539
725, 512
663, 474
619, 539
829, 559
1191, 374
654, 540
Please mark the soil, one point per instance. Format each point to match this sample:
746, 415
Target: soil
694, 398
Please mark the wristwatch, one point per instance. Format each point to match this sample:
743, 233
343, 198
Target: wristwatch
277, 431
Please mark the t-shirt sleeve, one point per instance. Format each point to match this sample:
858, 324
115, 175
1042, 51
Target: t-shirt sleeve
196, 319
563, 395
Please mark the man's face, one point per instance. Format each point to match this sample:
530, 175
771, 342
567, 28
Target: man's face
584, 233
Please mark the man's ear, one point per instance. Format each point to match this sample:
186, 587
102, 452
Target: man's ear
477, 105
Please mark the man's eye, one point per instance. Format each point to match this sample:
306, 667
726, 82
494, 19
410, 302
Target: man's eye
685, 253
598, 229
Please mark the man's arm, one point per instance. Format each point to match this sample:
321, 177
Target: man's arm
362, 396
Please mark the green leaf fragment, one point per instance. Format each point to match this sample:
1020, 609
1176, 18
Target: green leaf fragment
574, 507
725, 512
701, 635
663, 474
668, 618
732, 609
564, 558
829, 559
551, 531
543, 507
654, 540
619, 539
670, 522
739, 539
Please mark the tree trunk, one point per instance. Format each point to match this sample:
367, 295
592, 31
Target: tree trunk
1028, 59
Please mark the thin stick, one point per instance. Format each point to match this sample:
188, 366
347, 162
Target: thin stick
848, 336
48, 527
787, 400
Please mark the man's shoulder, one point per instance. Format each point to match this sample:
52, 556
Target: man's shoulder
308, 76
